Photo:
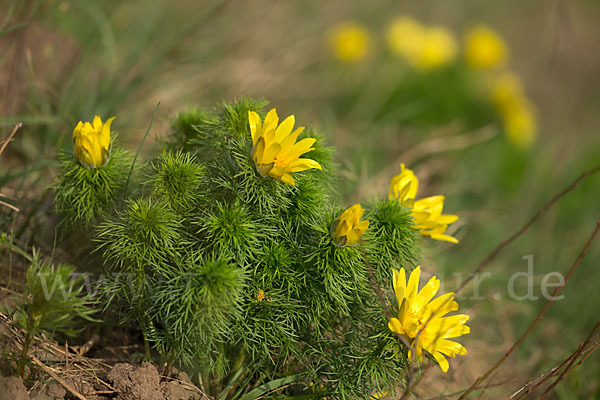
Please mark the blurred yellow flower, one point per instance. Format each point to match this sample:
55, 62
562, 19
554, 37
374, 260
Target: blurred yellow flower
420, 319
423, 47
405, 36
518, 115
429, 220
484, 48
520, 125
91, 142
506, 89
439, 49
427, 212
404, 186
275, 152
348, 228
349, 41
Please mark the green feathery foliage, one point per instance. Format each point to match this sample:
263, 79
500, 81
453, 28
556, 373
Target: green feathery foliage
81, 195
236, 276
55, 302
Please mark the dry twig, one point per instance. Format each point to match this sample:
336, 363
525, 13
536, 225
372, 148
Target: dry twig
526, 227
558, 289
6, 141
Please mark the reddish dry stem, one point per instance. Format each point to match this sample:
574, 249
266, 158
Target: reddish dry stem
558, 289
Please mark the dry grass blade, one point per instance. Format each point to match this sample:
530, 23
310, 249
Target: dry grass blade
57, 378
6, 141
558, 289
576, 355
583, 350
526, 227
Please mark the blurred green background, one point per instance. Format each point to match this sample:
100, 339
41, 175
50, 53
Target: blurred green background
65, 61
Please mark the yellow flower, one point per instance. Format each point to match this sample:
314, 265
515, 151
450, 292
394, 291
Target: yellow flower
260, 295
439, 49
421, 320
506, 89
429, 220
424, 48
91, 142
349, 42
427, 212
520, 125
405, 36
404, 186
518, 116
484, 48
275, 151
348, 228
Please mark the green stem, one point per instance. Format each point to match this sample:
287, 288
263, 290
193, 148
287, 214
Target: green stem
140, 147
146, 346
24, 353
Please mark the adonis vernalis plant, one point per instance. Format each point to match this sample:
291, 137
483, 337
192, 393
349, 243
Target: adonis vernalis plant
229, 255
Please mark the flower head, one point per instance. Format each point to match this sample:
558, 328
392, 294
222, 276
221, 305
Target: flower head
349, 42
405, 36
424, 48
275, 152
404, 186
429, 220
439, 49
91, 142
517, 112
348, 228
484, 48
427, 212
421, 320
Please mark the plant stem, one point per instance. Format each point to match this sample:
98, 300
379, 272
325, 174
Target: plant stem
24, 353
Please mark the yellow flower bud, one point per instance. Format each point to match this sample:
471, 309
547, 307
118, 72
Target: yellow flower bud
91, 142
404, 186
348, 228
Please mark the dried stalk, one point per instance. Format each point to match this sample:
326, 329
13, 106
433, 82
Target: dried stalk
558, 289
10, 137
526, 227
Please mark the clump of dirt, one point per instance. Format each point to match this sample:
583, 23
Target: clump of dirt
136, 383
50, 391
12, 388
181, 389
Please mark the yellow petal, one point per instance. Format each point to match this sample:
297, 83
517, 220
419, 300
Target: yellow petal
255, 126
441, 305
77, 130
271, 121
302, 164
446, 238
289, 141
284, 129
427, 292
413, 283
258, 150
342, 229
443, 363
399, 284
105, 137
303, 146
270, 153
353, 236
447, 219
97, 123
287, 178
395, 326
